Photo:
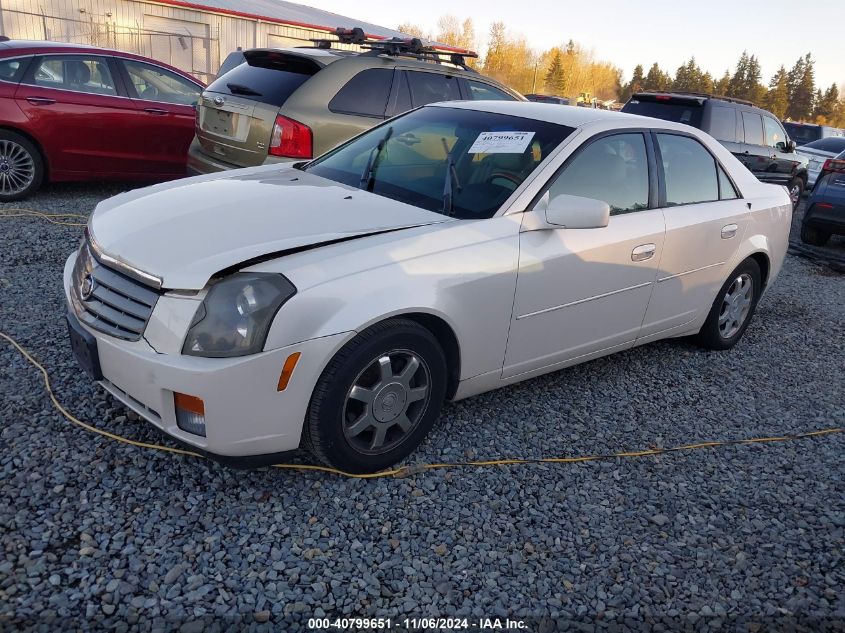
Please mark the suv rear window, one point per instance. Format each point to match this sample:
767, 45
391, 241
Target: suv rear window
432, 87
668, 109
365, 94
803, 134
267, 76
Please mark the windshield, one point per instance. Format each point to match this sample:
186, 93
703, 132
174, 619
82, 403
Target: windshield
463, 163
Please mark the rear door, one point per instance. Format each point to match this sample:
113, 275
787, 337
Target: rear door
705, 221
78, 109
238, 110
756, 156
163, 124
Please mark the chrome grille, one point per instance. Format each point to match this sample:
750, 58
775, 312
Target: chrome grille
108, 301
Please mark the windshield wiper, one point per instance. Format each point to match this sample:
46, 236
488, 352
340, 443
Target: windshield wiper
451, 184
368, 176
238, 89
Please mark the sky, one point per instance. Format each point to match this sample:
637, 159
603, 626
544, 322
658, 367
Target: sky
633, 32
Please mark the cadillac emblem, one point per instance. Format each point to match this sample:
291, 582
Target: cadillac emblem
86, 287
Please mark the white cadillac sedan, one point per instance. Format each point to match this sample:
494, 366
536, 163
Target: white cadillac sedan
455, 249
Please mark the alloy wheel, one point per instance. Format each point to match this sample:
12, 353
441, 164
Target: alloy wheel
386, 402
17, 168
736, 305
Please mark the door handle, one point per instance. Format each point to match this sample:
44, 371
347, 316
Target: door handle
40, 100
157, 111
729, 231
643, 252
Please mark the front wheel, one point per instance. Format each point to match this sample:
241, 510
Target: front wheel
21, 167
733, 308
377, 398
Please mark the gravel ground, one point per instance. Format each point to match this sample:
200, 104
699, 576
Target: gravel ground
98, 534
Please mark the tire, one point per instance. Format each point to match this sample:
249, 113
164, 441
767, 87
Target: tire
396, 409
21, 166
796, 188
721, 330
812, 236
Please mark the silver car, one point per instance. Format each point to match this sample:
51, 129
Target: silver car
818, 152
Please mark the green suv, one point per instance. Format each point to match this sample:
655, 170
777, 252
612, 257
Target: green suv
291, 104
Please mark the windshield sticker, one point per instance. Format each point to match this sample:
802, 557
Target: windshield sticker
501, 143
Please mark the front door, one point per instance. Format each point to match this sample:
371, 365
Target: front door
582, 291
78, 111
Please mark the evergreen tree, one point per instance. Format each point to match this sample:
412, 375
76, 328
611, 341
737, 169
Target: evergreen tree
635, 85
777, 97
656, 79
723, 85
827, 106
802, 91
754, 89
737, 84
555, 80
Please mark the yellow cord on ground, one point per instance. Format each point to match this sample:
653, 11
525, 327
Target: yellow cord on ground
49, 217
413, 469
403, 471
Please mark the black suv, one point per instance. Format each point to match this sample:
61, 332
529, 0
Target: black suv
753, 135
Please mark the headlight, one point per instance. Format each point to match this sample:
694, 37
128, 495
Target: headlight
235, 316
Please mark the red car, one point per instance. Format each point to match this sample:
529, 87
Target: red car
71, 112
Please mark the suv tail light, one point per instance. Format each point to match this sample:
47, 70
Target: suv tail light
833, 165
290, 139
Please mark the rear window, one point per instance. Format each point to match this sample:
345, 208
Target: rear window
269, 77
723, 124
669, 110
834, 145
365, 94
803, 134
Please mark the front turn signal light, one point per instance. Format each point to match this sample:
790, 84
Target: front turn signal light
287, 370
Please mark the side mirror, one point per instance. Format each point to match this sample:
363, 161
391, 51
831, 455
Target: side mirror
574, 212
790, 146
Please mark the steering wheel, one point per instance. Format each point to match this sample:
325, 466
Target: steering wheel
506, 176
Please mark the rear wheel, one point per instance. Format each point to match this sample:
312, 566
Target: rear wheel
21, 167
812, 236
377, 398
796, 189
733, 308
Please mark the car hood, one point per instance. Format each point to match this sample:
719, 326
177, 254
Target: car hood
184, 232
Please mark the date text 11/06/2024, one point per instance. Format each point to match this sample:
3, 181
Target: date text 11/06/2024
443, 624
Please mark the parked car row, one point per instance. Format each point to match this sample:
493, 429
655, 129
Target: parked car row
804, 133
825, 214
756, 137
75, 113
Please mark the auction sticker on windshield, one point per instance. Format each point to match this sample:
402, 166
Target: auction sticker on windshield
501, 143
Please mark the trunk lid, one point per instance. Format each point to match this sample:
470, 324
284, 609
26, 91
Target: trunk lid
236, 113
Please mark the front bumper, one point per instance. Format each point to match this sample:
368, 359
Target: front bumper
245, 414
829, 220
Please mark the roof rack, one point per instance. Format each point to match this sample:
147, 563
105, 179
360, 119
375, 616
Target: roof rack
689, 93
396, 47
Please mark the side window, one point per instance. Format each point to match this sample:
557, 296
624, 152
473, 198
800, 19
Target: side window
79, 73
365, 94
753, 128
479, 91
613, 169
403, 95
689, 170
12, 69
775, 136
726, 189
723, 124
432, 87
157, 84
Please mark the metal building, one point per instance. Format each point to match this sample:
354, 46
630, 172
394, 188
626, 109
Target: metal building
193, 36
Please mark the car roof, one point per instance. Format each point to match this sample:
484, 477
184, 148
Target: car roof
32, 47
553, 113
